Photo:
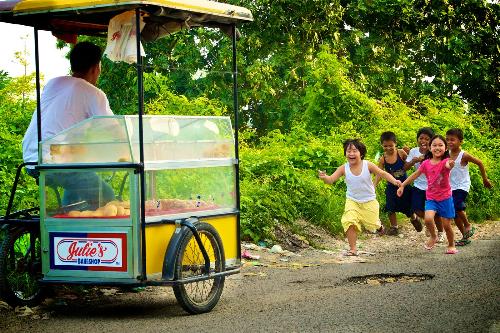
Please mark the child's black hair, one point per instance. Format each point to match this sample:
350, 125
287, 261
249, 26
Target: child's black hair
456, 132
446, 154
425, 130
387, 136
356, 143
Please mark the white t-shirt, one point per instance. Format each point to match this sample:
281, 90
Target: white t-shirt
359, 188
459, 176
65, 101
421, 181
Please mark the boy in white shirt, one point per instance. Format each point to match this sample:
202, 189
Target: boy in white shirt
460, 182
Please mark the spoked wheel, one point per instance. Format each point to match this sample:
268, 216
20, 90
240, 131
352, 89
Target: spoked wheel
201, 296
21, 267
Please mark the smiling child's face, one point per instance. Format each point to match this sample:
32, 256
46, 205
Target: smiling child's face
423, 142
352, 154
438, 148
389, 147
453, 142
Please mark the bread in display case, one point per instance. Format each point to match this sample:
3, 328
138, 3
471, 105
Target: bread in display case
189, 167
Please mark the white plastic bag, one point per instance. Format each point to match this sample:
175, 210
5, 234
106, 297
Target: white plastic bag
122, 38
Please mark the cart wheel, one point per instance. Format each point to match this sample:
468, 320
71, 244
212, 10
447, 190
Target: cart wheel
21, 267
201, 296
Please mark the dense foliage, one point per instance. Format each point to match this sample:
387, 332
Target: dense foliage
313, 73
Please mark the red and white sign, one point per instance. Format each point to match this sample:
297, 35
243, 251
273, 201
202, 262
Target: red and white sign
96, 251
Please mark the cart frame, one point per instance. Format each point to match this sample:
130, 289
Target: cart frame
42, 16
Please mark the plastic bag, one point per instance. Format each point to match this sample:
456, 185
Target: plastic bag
121, 45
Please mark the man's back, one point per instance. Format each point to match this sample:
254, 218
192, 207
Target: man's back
65, 101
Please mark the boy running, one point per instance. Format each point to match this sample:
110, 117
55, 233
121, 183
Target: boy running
460, 181
392, 161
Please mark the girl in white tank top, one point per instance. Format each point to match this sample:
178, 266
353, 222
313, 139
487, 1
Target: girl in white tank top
359, 188
361, 207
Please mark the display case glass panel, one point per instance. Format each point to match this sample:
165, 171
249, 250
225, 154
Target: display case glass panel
178, 138
87, 194
178, 191
112, 139
94, 140
189, 167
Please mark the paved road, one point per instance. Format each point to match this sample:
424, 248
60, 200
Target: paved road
463, 295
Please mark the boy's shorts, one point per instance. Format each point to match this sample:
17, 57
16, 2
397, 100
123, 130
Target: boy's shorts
459, 197
394, 204
360, 215
417, 200
442, 208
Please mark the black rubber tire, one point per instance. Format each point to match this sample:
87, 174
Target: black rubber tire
21, 268
192, 296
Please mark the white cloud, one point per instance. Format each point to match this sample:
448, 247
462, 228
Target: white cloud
14, 38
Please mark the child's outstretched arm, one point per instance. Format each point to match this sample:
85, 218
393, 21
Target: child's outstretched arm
333, 177
469, 158
408, 180
383, 174
409, 164
381, 166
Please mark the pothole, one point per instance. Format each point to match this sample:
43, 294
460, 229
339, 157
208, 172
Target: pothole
379, 279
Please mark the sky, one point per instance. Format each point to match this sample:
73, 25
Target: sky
12, 39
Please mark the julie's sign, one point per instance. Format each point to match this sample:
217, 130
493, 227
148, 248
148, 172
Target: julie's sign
88, 251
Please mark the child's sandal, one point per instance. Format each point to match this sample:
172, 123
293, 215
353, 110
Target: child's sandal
463, 242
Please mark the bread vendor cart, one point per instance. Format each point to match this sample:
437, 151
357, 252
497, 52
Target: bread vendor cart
175, 217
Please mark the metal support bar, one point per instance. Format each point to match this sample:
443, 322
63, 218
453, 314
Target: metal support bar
134, 166
14, 187
236, 138
140, 103
21, 222
117, 282
38, 102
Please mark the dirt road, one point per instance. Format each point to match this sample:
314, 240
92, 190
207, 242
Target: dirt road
394, 286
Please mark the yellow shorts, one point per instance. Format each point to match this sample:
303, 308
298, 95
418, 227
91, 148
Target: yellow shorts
361, 215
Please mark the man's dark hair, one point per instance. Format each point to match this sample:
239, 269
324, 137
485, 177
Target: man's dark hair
387, 136
356, 143
456, 132
425, 130
84, 56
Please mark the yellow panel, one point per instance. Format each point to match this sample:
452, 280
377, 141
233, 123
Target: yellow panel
226, 227
197, 6
157, 239
158, 236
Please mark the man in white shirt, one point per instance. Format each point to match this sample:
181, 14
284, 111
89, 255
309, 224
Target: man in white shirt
66, 101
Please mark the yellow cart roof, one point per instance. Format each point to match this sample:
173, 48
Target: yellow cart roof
92, 17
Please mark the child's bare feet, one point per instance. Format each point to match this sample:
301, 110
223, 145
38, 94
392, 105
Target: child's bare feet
429, 245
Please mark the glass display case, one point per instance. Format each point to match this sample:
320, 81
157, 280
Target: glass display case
189, 168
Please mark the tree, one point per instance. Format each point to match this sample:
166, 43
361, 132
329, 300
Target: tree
397, 45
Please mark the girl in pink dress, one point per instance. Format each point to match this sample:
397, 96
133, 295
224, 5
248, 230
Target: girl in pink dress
439, 200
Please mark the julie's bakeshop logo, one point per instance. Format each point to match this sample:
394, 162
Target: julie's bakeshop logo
89, 251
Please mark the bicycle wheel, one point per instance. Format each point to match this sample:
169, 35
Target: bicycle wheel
201, 296
21, 267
